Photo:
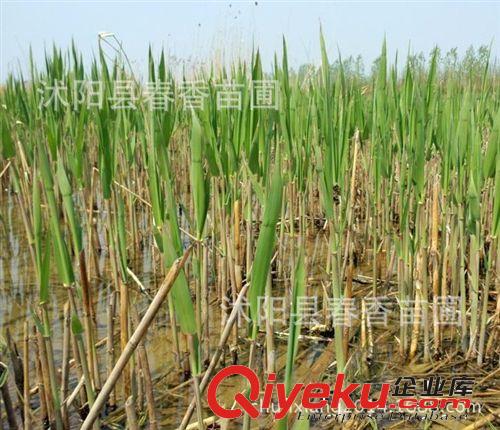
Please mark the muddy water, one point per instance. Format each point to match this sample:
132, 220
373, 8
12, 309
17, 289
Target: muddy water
19, 292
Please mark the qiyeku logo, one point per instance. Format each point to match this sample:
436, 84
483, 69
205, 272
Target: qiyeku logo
314, 396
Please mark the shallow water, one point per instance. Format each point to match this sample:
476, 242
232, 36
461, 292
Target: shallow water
18, 294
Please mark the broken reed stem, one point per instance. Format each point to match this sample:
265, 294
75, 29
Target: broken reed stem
74, 394
45, 377
51, 368
131, 414
148, 381
39, 378
17, 365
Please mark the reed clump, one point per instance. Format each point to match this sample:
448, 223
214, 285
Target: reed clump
341, 190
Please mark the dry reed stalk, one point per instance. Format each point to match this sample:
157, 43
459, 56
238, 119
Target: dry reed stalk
17, 365
110, 347
237, 243
45, 377
124, 300
78, 368
148, 380
39, 379
87, 313
66, 345
364, 339
348, 296
248, 230
131, 414
434, 254
9, 408
205, 304
419, 275
196, 383
79, 349
26, 377
485, 301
